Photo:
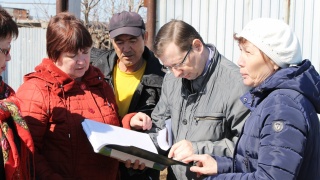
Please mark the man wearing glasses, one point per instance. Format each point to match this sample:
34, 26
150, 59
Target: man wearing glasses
200, 94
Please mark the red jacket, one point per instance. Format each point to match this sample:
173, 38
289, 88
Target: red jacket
54, 106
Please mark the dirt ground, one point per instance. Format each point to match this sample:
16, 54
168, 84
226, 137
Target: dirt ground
163, 174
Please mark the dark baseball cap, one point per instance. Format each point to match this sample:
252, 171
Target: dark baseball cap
126, 23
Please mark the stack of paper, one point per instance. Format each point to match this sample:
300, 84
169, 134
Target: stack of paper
125, 144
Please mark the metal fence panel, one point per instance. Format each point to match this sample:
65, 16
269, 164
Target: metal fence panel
27, 51
216, 21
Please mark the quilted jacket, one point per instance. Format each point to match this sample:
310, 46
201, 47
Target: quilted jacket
54, 106
281, 138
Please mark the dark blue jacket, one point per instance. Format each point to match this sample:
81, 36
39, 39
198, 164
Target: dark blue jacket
281, 138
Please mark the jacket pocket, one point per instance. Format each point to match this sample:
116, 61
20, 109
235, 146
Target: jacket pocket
208, 116
209, 125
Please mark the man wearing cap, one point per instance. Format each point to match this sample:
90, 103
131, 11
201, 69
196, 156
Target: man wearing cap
133, 71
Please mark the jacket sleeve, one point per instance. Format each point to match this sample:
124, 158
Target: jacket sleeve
100, 59
281, 150
235, 115
34, 110
126, 120
159, 115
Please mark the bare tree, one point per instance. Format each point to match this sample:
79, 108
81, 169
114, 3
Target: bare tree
41, 9
97, 13
88, 6
139, 5
97, 29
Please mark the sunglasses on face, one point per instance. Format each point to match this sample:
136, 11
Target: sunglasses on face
5, 51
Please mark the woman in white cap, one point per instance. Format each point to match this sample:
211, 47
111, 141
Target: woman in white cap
280, 139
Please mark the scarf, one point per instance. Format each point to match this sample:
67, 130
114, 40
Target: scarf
15, 138
5, 90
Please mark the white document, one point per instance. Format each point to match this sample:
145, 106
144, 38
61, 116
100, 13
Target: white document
100, 134
164, 137
124, 144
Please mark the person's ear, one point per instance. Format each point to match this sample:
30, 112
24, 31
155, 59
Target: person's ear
197, 45
273, 64
145, 36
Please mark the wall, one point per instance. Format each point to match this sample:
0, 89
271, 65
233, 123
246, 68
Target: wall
217, 21
26, 52
29, 49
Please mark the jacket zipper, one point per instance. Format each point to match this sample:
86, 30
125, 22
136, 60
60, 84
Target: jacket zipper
207, 118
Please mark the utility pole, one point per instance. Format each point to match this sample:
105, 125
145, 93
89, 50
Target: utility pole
61, 6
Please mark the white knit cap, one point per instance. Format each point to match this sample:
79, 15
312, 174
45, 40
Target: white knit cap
275, 38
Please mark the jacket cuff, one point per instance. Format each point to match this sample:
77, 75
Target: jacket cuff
126, 120
195, 148
224, 164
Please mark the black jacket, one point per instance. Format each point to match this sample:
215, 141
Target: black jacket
148, 91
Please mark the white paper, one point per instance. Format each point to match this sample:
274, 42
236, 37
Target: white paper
100, 134
164, 137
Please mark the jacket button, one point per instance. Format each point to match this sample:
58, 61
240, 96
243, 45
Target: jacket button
91, 110
184, 122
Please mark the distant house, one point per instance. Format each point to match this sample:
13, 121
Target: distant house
18, 14
23, 19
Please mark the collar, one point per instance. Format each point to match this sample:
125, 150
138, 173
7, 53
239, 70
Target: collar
206, 67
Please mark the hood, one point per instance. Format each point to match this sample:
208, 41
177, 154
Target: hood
59, 81
303, 78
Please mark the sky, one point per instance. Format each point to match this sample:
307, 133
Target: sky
44, 9
38, 9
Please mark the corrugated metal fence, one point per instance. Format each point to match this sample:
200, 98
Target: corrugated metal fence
27, 51
216, 20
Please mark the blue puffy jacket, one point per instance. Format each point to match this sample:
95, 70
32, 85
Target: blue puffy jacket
281, 138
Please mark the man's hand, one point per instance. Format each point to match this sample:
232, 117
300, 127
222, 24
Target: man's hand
141, 121
136, 165
205, 164
181, 150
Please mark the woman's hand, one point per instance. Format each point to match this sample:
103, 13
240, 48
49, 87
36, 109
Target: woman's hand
141, 121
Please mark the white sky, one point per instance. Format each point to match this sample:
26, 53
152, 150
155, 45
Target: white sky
44, 9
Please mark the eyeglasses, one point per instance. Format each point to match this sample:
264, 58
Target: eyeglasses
5, 51
168, 69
